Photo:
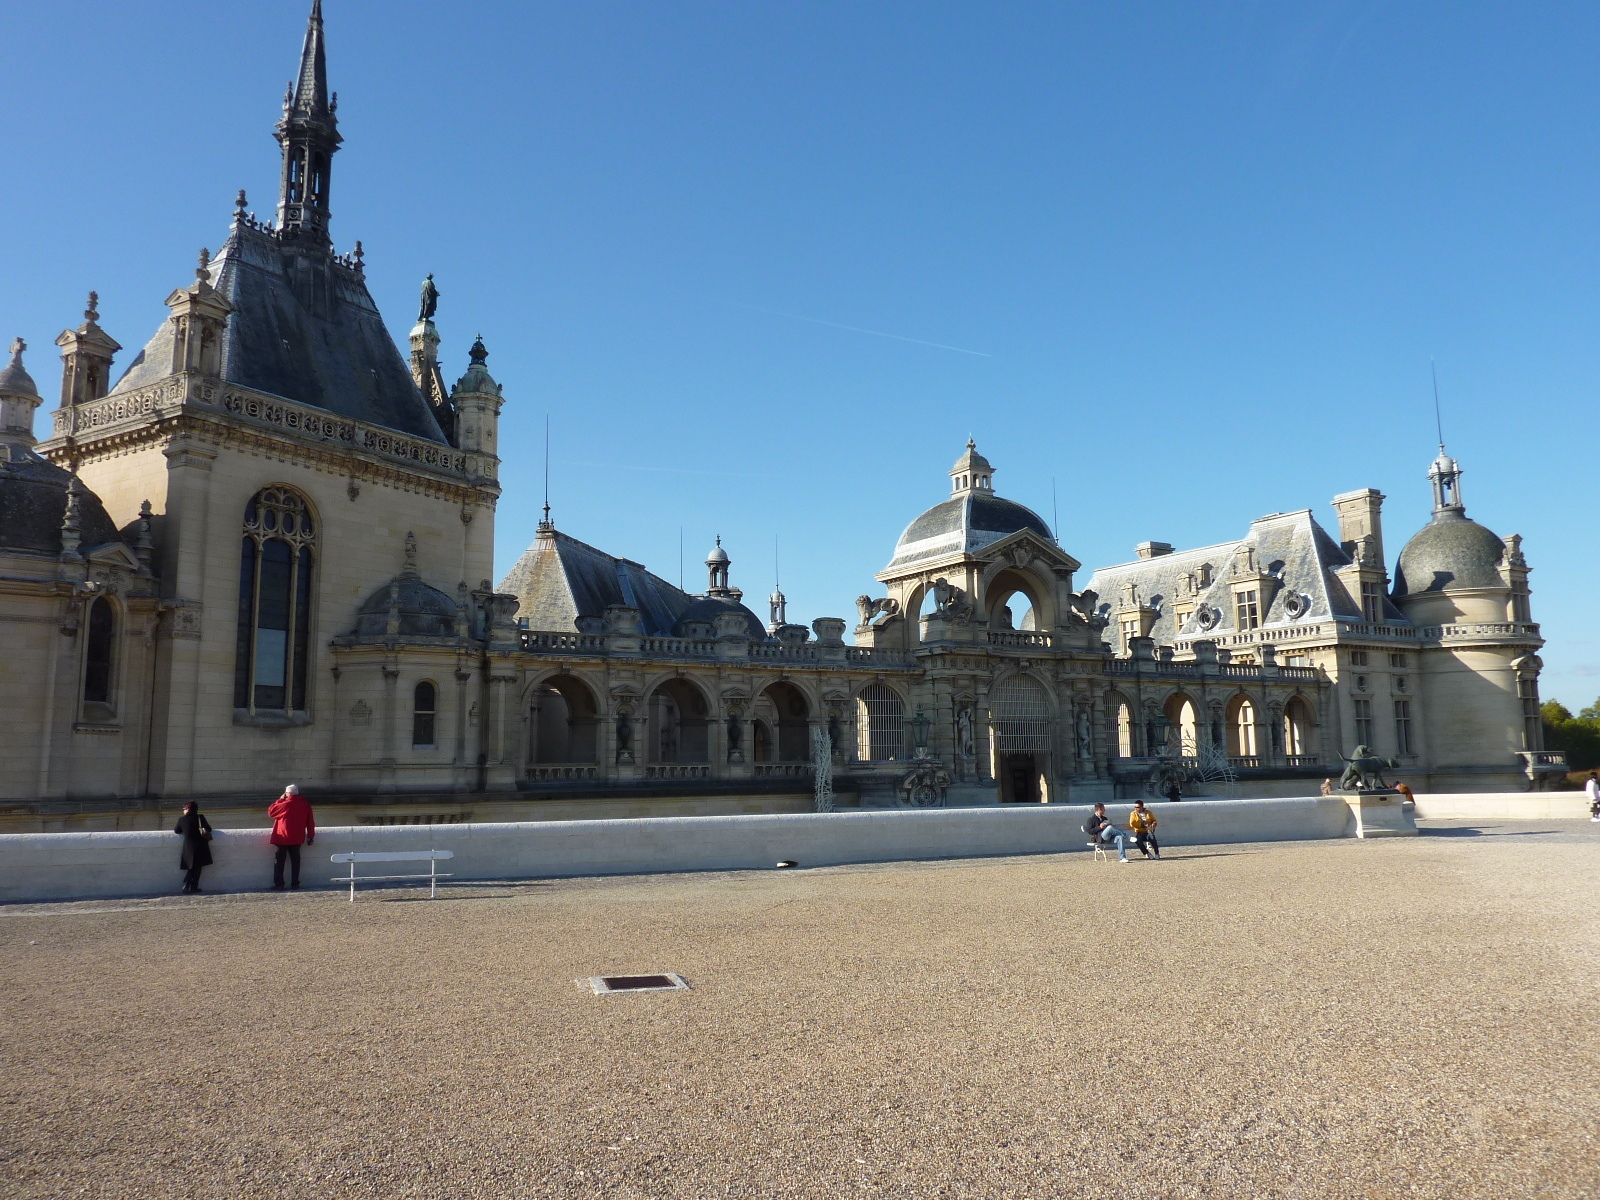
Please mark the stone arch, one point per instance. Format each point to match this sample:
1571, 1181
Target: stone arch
1022, 725
880, 722
1002, 580
1299, 727
789, 710
1121, 721
563, 721
678, 713
1242, 717
1183, 718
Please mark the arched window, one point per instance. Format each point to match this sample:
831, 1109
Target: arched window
1242, 729
424, 706
1297, 728
880, 724
1124, 732
274, 603
97, 653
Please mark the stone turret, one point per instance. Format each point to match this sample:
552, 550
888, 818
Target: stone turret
19, 398
476, 399
309, 135
86, 354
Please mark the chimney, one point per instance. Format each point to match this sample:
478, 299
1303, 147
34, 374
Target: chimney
1361, 516
1147, 550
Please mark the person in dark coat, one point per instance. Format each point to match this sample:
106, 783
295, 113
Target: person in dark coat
195, 831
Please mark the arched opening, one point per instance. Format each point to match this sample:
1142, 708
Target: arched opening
1019, 712
679, 729
1013, 604
1123, 718
786, 706
880, 724
563, 722
97, 654
424, 708
1183, 723
1241, 727
761, 741
1297, 733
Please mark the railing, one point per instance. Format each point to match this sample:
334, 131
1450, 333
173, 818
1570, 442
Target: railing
1240, 671
768, 652
1299, 672
781, 770
1305, 760
670, 647
549, 772
580, 643
1024, 638
875, 655
1546, 758
1121, 666
676, 771
1445, 633
1244, 760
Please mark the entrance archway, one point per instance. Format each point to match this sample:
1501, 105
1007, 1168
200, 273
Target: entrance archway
1019, 713
790, 712
563, 722
678, 724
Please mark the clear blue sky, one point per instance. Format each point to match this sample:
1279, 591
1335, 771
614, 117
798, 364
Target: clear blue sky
1193, 259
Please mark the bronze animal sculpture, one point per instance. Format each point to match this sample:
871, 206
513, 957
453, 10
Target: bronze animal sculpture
1364, 770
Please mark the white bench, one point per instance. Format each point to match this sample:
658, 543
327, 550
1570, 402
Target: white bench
1102, 850
431, 857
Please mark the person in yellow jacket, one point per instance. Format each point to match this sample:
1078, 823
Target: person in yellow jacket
1143, 823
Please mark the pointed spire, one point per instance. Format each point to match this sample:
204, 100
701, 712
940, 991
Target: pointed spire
72, 521
311, 85
410, 569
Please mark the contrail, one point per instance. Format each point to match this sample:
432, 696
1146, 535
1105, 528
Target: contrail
772, 312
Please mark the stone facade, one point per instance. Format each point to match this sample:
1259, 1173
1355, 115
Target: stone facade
265, 553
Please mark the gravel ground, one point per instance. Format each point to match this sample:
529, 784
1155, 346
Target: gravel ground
1337, 1019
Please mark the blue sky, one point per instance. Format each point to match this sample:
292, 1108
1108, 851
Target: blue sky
1188, 261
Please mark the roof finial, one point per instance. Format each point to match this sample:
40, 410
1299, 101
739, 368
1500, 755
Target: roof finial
144, 548
239, 203
17, 347
411, 554
1438, 419
92, 313
479, 354
359, 255
201, 271
72, 519
428, 304
545, 525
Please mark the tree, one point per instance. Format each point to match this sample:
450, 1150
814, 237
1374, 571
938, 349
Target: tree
1579, 736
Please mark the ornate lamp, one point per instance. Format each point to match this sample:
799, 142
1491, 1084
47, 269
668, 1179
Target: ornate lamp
919, 725
1163, 732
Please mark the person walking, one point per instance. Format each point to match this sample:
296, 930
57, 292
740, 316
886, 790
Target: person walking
1143, 823
1591, 789
1102, 830
293, 826
195, 831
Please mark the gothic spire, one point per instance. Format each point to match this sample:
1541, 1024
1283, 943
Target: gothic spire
309, 135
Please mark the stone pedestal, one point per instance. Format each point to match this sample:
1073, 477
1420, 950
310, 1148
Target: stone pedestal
1382, 814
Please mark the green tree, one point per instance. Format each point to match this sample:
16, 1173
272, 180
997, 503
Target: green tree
1578, 735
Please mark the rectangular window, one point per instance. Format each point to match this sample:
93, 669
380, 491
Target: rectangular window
1358, 658
1372, 601
1248, 610
1402, 726
1397, 660
1130, 630
1182, 615
1532, 727
1363, 722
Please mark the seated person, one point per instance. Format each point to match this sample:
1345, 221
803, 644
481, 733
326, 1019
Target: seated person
1143, 823
1102, 831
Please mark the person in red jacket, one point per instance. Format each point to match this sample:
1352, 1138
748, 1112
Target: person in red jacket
292, 827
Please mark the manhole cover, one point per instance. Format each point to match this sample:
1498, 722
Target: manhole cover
603, 984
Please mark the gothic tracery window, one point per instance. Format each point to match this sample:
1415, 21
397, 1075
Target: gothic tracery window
274, 639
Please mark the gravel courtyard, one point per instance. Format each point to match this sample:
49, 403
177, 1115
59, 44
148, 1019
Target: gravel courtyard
1411, 1017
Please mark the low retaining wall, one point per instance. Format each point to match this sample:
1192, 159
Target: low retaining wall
82, 866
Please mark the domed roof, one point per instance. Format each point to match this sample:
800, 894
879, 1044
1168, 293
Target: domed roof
718, 554
1451, 551
14, 380
424, 611
33, 503
964, 524
708, 608
971, 460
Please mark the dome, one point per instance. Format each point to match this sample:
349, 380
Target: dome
424, 611
1451, 551
971, 461
964, 524
718, 555
33, 503
708, 608
14, 380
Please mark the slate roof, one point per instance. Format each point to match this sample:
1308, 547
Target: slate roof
964, 524
33, 502
1291, 546
1451, 551
304, 327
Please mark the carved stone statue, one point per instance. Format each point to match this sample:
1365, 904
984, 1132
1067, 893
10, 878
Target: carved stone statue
735, 736
869, 608
430, 300
624, 735
1085, 734
964, 745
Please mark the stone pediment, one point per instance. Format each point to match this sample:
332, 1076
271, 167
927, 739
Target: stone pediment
1024, 547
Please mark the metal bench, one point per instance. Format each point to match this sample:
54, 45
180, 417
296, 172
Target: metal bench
431, 857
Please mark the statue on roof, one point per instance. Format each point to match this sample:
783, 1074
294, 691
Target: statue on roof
430, 300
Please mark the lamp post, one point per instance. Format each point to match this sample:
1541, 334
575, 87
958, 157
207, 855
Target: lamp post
1163, 732
919, 733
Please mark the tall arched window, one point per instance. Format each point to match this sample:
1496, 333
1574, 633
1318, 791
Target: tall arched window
424, 705
880, 724
274, 603
97, 653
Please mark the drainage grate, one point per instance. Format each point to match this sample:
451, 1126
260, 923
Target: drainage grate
604, 984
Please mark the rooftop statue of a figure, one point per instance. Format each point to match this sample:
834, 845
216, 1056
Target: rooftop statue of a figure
430, 300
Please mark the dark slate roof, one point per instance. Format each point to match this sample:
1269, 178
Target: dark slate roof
1292, 546
33, 502
709, 608
425, 611
964, 524
303, 327
559, 579
1451, 551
